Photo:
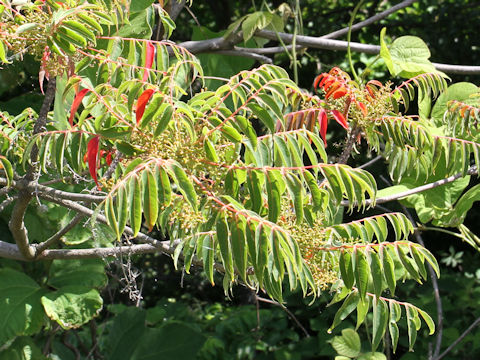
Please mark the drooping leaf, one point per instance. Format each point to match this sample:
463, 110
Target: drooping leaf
149, 56
76, 103
142, 103
92, 158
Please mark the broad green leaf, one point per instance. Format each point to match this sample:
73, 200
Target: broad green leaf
72, 306
23, 348
20, 310
125, 333
85, 272
348, 344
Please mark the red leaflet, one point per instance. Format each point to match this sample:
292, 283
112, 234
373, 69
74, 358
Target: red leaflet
339, 118
108, 159
76, 103
92, 158
142, 103
322, 124
363, 108
340, 93
317, 80
150, 53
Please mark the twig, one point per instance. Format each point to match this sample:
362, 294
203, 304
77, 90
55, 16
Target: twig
347, 149
460, 338
58, 235
436, 289
371, 162
7, 202
284, 308
70, 346
371, 20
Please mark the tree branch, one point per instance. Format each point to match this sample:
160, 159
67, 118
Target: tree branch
371, 20
330, 44
248, 54
472, 171
58, 235
16, 224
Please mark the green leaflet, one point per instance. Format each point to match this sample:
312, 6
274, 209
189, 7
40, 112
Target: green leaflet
182, 180
208, 255
274, 193
262, 250
223, 239
150, 198
395, 315
239, 248
388, 269
377, 272
413, 324
347, 307
295, 188
361, 271
346, 269
380, 321
135, 204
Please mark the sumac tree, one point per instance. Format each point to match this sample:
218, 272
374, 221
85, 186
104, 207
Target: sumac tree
235, 179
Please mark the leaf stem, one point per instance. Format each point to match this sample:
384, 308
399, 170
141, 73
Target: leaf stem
349, 36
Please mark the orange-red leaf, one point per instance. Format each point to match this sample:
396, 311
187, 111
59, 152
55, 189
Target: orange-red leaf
339, 118
149, 55
92, 158
339, 93
142, 103
322, 124
76, 103
317, 80
363, 108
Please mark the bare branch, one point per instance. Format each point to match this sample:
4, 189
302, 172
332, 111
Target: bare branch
261, 58
269, 50
58, 235
371, 20
472, 171
330, 44
16, 224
